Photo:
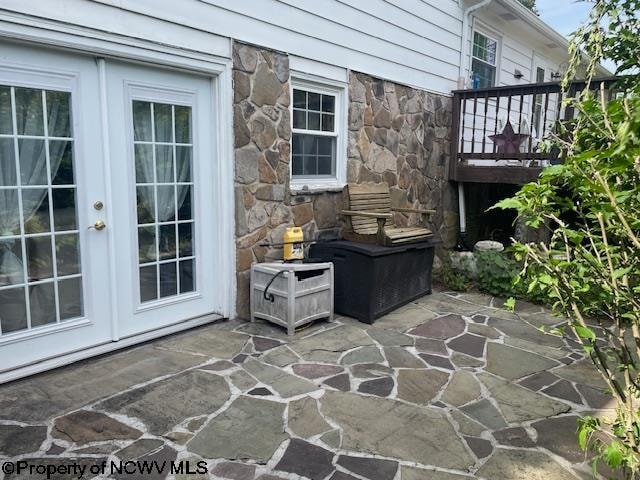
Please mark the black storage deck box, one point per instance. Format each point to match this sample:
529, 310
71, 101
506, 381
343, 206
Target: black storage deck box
372, 280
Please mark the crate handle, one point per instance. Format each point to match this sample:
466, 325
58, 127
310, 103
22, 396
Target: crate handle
269, 296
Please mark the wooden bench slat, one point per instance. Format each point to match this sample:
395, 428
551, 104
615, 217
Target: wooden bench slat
369, 188
370, 203
376, 198
405, 233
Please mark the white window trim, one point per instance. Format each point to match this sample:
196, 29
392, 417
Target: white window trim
317, 84
478, 28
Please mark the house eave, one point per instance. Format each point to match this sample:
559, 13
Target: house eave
533, 20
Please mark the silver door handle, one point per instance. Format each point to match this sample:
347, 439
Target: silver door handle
99, 225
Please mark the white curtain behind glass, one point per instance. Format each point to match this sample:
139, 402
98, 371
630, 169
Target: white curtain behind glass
163, 164
33, 171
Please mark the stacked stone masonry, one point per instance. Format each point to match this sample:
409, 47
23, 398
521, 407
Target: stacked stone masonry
396, 134
401, 136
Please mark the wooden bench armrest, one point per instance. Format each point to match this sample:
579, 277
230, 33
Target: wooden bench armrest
354, 213
381, 219
414, 210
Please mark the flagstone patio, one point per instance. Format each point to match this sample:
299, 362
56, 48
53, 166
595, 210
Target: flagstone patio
445, 388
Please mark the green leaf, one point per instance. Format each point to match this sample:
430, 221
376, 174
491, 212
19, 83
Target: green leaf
545, 279
583, 436
508, 204
621, 272
584, 332
614, 454
510, 304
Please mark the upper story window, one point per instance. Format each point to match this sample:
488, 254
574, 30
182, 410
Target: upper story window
484, 60
316, 156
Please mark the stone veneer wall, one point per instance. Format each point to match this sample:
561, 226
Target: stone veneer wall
396, 134
264, 207
401, 136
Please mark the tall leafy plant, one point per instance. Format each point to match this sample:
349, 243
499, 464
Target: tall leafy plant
590, 269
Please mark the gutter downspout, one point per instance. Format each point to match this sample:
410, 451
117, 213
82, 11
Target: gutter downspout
464, 66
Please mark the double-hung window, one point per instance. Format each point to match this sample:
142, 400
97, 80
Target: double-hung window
484, 60
316, 144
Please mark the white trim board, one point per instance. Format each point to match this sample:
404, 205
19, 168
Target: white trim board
25, 28
317, 70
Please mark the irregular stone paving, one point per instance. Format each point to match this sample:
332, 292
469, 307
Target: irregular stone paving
449, 387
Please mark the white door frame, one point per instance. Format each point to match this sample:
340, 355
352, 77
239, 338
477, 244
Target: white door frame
127, 83
222, 93
41, 70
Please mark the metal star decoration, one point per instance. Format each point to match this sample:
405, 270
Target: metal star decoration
508, 141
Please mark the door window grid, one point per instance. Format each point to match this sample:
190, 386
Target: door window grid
180, 266
31, 285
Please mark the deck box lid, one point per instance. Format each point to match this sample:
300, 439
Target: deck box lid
370, 249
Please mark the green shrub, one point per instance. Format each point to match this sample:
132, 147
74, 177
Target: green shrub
497, 274
456, 277
590, 269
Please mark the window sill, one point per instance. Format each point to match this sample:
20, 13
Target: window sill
310, 187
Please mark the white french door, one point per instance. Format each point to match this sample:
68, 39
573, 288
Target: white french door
107, 204
54, 294
161, 130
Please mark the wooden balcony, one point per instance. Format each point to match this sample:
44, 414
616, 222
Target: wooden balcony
498, 132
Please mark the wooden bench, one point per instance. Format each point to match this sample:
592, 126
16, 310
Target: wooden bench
368, 208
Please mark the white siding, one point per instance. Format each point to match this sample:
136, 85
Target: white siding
518, 48
415, 42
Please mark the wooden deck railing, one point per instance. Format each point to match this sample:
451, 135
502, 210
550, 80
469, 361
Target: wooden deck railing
498, 132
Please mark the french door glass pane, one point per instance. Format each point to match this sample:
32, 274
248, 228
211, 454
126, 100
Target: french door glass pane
168, 279
162, 122
9, 212
70, 295
14, 310
144, 163
43, 304
61, 159
39, 258
64, 209
6, 122
12, 266
187, 278
35, 206
147, 244
8, 176
142, 121
40, 271
164, 163
67, 254
148, 283
29, 112
59, 114
185, 239
183, 164
33, 161
183, 124
163, 156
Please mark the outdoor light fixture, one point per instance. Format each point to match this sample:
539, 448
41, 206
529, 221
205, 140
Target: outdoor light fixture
518, 74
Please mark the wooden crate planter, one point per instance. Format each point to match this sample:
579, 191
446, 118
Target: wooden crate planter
301, 293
